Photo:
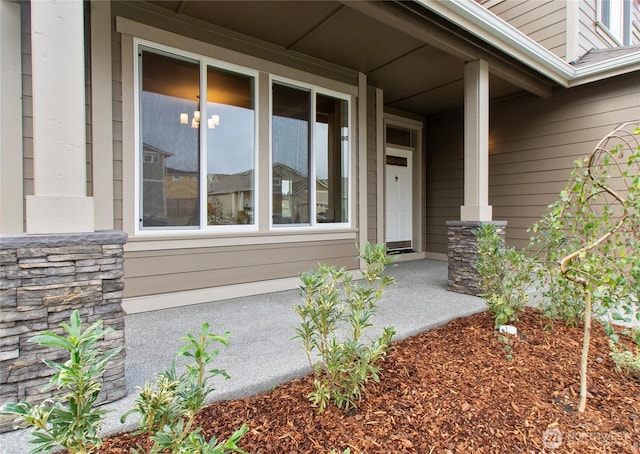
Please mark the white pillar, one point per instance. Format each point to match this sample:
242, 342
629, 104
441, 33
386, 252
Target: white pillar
11, 175
60, 204
476, 143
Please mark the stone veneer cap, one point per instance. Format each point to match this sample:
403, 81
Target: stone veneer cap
63, 239
470, 223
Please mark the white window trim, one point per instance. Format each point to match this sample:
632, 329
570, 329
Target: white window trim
235, 230
204, 62
606, 30
313, 225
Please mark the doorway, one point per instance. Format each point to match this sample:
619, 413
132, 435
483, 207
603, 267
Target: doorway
399, 199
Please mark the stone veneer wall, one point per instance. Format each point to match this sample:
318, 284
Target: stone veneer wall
43, 279
462, 251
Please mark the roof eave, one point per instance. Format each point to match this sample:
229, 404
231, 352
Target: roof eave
482, 23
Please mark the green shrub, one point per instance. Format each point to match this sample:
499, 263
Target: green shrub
590, 238
626, 361
168, 408
335, 313
71, 420
505, 275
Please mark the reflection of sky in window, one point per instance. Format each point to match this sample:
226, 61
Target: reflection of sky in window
161, 128
290, 146
231, 144
290, 143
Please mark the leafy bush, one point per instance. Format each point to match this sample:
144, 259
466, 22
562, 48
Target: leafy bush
626, 361
505, 275
335, 313
168, 408
590, 238
71, 420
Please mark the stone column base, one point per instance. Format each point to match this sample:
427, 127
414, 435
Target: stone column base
461, 253
44, 278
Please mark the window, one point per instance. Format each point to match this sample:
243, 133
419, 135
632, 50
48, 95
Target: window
309, 159
198, 165
615, 15
197, 159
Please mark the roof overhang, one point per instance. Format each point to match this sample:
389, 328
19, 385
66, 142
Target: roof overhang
485, 25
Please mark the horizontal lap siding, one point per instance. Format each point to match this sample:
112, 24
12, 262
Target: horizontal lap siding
542, 21
534, 143
372, 170
27, 103
588, 37
445, 176
116, 70
165, 271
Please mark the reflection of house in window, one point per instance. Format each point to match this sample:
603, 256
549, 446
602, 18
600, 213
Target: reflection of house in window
153, 184
229, 198
290, 195
182, 193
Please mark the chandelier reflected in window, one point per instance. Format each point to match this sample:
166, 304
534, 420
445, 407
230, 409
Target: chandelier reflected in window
195, 120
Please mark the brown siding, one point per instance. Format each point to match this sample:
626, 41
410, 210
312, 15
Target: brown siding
592, 36
542, 21
27, 102
533, 145
445, 176
175, 269
589, 37
372, 173
116, 69
530, 165
163, 271
535, 142
635, 24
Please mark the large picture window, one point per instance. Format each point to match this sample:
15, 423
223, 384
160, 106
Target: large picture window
197, 150
309, 159
183, 187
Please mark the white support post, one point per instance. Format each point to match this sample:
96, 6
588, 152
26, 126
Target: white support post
476, 143
60, 203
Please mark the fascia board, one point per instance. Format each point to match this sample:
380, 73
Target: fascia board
611, 68
482, 23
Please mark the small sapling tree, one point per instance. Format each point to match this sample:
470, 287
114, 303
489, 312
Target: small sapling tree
592, 237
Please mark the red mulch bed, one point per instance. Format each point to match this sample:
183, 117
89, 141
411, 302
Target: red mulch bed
451, 390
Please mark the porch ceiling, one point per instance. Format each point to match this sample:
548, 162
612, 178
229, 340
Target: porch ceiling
416, 73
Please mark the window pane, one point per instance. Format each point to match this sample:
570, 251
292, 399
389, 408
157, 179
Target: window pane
399, 136
290, 155
230, 127
170, 148
332, 160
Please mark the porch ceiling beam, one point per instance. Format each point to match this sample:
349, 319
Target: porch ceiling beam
426, 30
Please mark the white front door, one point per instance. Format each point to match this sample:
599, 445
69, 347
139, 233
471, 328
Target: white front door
398, 200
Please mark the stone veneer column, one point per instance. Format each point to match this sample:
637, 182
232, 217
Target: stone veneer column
43, 279
462, 253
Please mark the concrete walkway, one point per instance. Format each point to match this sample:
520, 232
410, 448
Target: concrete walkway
262, 354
